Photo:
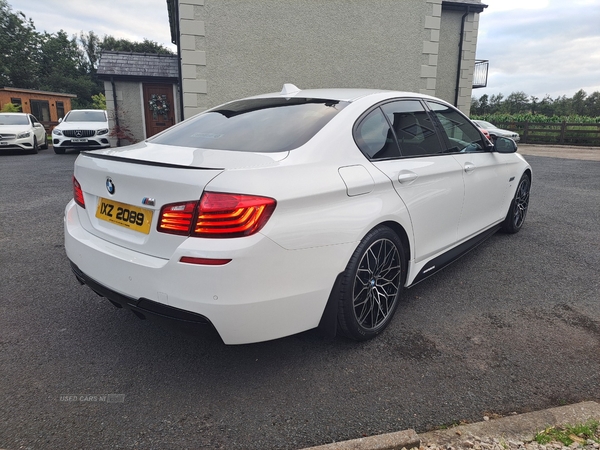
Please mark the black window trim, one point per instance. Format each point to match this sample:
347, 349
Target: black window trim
438, 129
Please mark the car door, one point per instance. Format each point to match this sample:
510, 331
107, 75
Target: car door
400, 140
486, 173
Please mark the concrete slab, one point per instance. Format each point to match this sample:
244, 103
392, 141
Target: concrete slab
391, 441
561, 151
522, 427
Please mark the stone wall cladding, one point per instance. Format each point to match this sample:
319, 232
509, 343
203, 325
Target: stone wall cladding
193, 56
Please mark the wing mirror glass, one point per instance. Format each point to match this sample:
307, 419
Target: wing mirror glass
505, 145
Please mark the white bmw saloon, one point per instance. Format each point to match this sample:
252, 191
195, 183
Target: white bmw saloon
275, 214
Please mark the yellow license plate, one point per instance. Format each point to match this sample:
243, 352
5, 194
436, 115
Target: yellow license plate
128, 216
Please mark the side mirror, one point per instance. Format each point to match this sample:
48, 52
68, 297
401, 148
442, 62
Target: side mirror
505, 145
60, 120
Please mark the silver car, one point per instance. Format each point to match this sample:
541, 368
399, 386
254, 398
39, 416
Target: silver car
495, 131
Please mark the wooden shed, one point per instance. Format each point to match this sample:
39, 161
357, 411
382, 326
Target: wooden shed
47, 107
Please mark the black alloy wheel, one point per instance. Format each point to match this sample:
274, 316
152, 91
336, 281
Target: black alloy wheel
371, 285
518, 207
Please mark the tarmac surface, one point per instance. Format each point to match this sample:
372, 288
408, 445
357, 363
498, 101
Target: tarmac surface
514, 326
522, 427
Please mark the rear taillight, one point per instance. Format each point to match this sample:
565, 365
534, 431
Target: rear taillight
78, 193
217, 215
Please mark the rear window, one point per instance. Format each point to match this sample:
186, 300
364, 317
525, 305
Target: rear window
256, 125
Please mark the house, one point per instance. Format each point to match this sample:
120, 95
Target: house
238, 48
141, 93
47, 107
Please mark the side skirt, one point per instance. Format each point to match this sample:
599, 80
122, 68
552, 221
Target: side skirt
437, 264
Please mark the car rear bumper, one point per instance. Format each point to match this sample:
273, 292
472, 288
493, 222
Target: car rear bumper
265, 292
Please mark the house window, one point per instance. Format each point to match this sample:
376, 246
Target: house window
17, 102
41, 110
60, 109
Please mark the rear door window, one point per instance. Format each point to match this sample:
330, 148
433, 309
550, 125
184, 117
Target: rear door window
413, 128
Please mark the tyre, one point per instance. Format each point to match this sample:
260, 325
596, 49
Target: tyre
35, 148
44, 146
371, 285
518, 207
58, 150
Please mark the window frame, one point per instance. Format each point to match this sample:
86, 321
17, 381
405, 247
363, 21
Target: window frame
441, 139
444, 135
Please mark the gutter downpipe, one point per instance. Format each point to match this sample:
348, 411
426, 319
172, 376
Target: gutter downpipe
460, 49
112, 82
180, 76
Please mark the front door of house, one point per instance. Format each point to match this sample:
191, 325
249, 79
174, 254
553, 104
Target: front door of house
158, 107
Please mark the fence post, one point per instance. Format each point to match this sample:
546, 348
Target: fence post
525, 132
563, 128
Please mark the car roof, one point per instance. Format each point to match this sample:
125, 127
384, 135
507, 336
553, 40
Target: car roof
340, 94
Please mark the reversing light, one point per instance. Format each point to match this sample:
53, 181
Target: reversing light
176, 218
78, 193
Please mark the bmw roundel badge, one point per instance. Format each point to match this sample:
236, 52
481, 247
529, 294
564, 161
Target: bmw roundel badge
110, 186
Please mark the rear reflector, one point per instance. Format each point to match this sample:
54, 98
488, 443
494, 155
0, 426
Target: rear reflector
204, 261
78, 193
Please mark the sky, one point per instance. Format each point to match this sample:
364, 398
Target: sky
540, 47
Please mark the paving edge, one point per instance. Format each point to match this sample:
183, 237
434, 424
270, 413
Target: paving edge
521, 427
390, 441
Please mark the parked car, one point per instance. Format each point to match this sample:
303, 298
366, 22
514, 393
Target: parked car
486, 133
494, 131
81, 129
275, 214
21, 131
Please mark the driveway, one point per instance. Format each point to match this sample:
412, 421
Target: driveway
513, 326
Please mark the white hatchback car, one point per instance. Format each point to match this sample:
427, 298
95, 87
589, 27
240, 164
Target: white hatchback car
21, 131
81, 129
280, 213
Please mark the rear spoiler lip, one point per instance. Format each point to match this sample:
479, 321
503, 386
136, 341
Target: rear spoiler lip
145, 162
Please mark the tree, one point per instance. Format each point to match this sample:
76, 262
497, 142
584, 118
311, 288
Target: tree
484, 105
19, 47
546, 106
533, 102
110, 43
474, 106
516, 103
496, 103
63, 68
592, 104
578, 102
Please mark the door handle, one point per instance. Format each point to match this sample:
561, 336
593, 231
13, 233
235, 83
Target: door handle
407, 177
470, 167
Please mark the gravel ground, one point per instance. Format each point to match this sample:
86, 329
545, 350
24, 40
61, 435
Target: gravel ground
478, 443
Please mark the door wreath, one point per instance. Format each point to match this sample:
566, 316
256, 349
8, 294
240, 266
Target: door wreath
159, 106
